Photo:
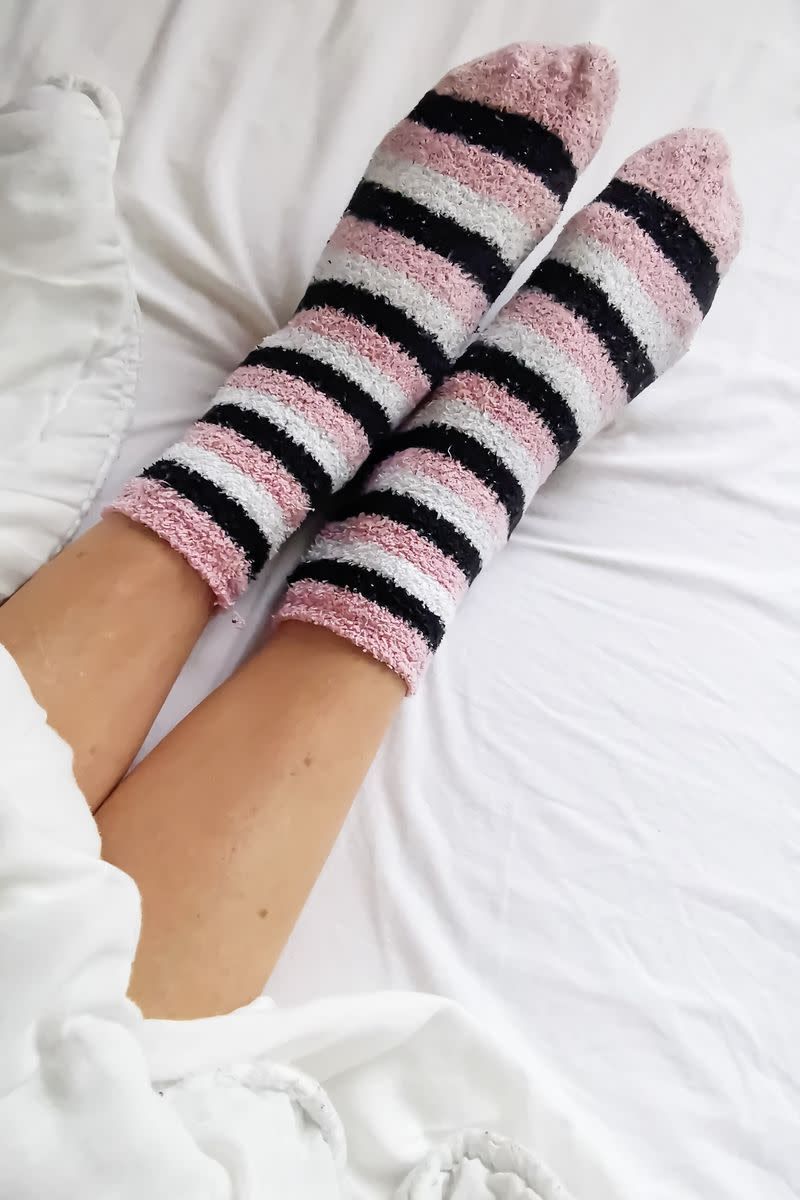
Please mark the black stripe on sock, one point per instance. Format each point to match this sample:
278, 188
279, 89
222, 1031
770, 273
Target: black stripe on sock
380, 314
224, 512
529, 387
423, 520
376, 587
471, 454
334, 384
445, 237
586, 300
518, 138
262, 432
675, 237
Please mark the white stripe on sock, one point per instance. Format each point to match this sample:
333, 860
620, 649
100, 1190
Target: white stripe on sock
537, 352
383, 390
449, 198
398, 570
440, 499
255, 500
598, 263
430, 313
311, 437
489, 433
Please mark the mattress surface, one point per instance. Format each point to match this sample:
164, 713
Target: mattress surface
587, 824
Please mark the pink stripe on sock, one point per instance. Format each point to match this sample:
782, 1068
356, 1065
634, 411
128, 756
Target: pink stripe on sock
317, 408
403, 542
488, 174
659, 278
190, 531
569, 89
574, 337
443, 279
459, 480
360, 621
691, 170
260, 465
379, 349
490, 398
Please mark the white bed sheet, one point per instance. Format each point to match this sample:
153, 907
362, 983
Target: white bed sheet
587, 825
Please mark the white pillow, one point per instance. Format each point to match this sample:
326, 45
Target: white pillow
69, 317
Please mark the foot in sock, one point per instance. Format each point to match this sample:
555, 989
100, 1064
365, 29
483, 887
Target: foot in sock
453, 200
615, 304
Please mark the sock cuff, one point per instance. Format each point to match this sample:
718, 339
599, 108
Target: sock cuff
191, 532
354, 617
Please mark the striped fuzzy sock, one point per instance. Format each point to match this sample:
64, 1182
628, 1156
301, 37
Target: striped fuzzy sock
615, 304
453, 200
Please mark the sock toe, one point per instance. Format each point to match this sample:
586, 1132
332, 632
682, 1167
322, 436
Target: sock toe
691, 170
571, 90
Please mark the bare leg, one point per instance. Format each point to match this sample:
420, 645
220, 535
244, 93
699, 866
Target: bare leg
226, 825
100, 634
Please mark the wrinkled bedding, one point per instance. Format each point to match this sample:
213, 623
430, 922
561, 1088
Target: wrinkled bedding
586, 825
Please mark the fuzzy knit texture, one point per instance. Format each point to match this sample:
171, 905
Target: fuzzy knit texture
614, 306
453, 200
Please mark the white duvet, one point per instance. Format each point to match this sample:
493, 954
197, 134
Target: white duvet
372, 1097
69, 317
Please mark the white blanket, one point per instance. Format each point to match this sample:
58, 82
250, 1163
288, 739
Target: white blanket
419, 1102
